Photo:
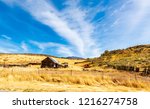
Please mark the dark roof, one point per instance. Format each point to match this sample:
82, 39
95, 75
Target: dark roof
52, 59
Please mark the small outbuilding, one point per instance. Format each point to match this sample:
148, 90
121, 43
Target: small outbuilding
65, 65
50, 62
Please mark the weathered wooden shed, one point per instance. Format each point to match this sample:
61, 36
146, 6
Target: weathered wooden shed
65, 64
50, 62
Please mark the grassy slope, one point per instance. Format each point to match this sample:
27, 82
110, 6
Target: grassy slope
137, 56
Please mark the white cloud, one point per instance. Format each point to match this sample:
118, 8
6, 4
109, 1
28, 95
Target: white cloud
135, 22
44, 45
62, 50
81, 23
8, 46
6, 37
24, 47
72, 23
46, 14
127, 23
137, 15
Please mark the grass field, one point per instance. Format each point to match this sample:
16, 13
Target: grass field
33, 79
73, 78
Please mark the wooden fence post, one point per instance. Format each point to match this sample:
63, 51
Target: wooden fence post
71, 73
12, 70
136, 77
102, 75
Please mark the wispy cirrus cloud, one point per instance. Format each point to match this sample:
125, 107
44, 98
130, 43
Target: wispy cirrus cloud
126, 22
9, 46
90, 29
61, 49
24, 46
80, 20
6, 37
71, 23
134, 14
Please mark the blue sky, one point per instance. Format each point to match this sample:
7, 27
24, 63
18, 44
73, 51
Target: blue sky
84, 28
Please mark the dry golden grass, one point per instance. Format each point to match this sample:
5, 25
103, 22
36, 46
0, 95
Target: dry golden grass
22, 58
32, 79
25, 59
65, 79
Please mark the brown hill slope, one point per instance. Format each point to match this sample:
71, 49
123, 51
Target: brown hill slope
132, 58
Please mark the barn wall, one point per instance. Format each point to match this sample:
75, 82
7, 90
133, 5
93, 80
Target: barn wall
48, 63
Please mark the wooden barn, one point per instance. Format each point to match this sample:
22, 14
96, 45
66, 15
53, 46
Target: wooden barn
50, 62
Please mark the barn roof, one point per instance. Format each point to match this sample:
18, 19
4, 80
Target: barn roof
54, 60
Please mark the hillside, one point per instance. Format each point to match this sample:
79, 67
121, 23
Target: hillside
137, 57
